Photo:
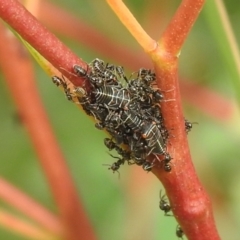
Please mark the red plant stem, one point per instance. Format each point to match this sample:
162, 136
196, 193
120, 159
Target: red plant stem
197, 207
180, 25
66, 24
29, 207
19, 76
22, 227
189, 201
30, 29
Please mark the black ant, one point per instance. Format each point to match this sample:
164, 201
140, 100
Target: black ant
164, 205
179, 232
116, 165
62, 82
167, 167
188, 125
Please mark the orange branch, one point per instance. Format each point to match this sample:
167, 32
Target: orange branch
129, 21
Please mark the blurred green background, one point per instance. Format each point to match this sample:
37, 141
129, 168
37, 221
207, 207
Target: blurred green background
127, 208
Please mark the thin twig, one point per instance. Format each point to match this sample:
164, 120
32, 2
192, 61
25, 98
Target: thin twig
129, 21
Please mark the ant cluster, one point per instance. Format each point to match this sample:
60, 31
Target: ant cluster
165, 206
130, 114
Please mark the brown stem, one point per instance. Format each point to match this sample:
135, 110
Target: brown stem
26, 96
28, 27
